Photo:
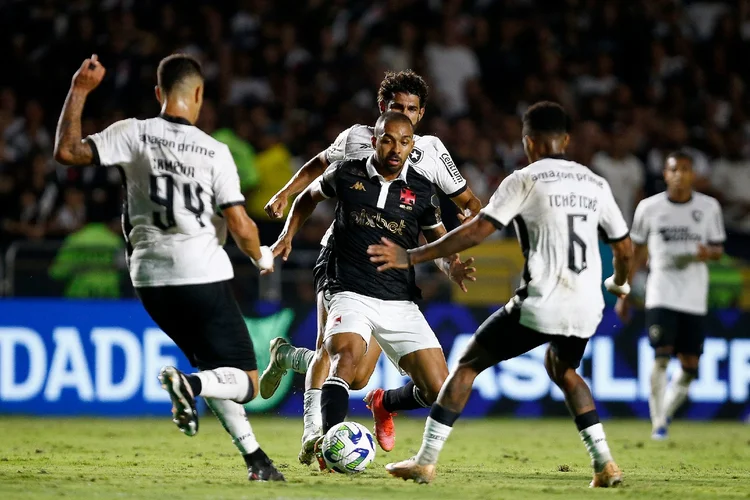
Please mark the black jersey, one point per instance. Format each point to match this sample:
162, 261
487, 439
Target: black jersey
368, 209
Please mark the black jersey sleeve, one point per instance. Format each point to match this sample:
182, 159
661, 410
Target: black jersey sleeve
328, 180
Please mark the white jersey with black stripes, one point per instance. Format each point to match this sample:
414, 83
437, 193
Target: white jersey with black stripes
177, 179
559, 209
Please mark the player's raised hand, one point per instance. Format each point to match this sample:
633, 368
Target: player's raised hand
276, 206
283, 247
89, 75
390, 255
460, 272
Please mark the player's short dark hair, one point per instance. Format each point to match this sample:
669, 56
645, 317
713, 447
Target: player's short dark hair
392, 116
546, 118
175, 69
404, 81
679, 155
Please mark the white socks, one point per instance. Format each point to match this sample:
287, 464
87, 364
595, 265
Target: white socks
596, 444
656, 397
226, 383
677, 393
295, 358
433, 440
234, 419
312, 416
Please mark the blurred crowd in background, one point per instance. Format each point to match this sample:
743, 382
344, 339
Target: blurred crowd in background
284, 77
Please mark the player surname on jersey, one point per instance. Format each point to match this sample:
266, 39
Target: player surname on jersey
174, 166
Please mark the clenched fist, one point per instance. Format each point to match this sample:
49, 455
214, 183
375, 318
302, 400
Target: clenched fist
89, 75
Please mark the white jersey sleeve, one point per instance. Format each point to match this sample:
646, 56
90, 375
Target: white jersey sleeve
115, 145
507, 200
716, 232
640, 230
447, 177
351, 144
226, 180
611, 222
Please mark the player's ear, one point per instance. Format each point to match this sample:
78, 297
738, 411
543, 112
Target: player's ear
421, 114
565, 141
381, 107
199, 94
374, 141
157, 93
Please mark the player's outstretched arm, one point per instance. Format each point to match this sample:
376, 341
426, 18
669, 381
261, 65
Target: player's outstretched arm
245, 234
69, 146
301, 180
302, 208
457, 271
392, 256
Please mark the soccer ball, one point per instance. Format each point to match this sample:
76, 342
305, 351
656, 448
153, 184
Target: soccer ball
348, 448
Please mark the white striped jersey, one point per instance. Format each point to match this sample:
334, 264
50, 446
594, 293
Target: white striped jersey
176, 177
559, 209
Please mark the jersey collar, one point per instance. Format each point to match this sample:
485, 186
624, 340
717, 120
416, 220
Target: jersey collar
670, 200
175, 119
372, 172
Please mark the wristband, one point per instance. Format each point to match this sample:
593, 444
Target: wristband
266, 259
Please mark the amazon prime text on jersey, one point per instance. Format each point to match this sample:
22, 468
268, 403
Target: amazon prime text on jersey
182, 147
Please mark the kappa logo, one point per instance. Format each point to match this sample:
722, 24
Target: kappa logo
337, 320
358, 186
415, 156
697, 215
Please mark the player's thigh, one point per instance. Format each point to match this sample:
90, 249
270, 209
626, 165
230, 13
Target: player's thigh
502, 337
225, 339
563, 354
348, 328
161, 303
367, 366
690, 340
322, 313
662, 325
401, 330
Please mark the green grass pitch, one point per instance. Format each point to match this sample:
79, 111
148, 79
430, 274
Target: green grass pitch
489, 458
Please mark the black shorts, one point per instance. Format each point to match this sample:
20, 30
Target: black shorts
323, 267
503, 335
682, 331
204, 321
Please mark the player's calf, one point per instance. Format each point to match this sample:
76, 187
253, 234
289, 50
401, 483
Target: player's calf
581, 406
345, 350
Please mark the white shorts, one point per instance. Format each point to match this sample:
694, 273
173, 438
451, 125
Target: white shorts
399, 326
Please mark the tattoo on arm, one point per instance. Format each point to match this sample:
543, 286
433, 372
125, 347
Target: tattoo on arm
69, 147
